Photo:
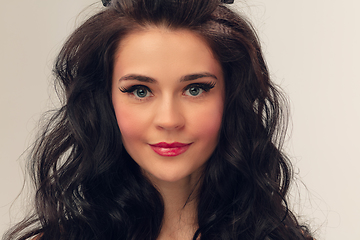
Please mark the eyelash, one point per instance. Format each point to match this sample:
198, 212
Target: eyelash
206, 87
131, 89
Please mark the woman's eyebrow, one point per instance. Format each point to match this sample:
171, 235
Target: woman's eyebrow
185, 78
137, 77
195, 76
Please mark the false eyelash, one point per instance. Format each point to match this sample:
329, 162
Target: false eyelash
204, 86
133, 88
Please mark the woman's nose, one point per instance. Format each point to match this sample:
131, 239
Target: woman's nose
169, 115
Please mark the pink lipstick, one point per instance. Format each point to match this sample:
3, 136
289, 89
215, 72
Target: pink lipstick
170, 149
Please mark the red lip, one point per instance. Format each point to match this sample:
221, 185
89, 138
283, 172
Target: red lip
170, 149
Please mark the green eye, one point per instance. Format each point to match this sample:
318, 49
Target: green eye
141, 92
194, 91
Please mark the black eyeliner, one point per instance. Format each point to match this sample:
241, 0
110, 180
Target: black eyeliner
204, 86
133, 88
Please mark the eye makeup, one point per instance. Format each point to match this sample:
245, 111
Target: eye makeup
204, 86
139, 91
193, 90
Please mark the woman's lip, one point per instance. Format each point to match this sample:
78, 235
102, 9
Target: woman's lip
170, 149
170, 145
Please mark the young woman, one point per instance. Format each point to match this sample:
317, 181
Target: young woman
170, 129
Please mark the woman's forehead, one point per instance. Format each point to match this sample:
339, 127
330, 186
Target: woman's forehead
167, 52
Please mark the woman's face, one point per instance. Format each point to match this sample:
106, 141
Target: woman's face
168, 96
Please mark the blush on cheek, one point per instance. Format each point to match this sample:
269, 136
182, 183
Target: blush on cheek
127, 122
212, 129
128, 128
208, 124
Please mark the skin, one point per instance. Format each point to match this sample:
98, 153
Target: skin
167, 63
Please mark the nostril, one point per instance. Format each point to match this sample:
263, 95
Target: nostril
169, 120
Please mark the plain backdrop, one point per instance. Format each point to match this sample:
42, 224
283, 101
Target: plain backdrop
312, 49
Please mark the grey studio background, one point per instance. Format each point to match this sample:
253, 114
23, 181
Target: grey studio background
312, 48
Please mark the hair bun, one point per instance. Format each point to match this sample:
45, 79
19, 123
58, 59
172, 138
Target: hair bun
107, 2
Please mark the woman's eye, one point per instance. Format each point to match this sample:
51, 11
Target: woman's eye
138, 91
141, 92
196, 89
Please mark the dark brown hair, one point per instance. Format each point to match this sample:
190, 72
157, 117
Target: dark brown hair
88, 187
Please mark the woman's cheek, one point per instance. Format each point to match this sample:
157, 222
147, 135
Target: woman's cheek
129, 123
208, 122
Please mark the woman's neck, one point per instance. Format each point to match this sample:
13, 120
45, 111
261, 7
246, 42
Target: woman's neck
180, 219
180, 207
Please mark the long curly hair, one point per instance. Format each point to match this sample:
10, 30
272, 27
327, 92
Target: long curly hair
87, 185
